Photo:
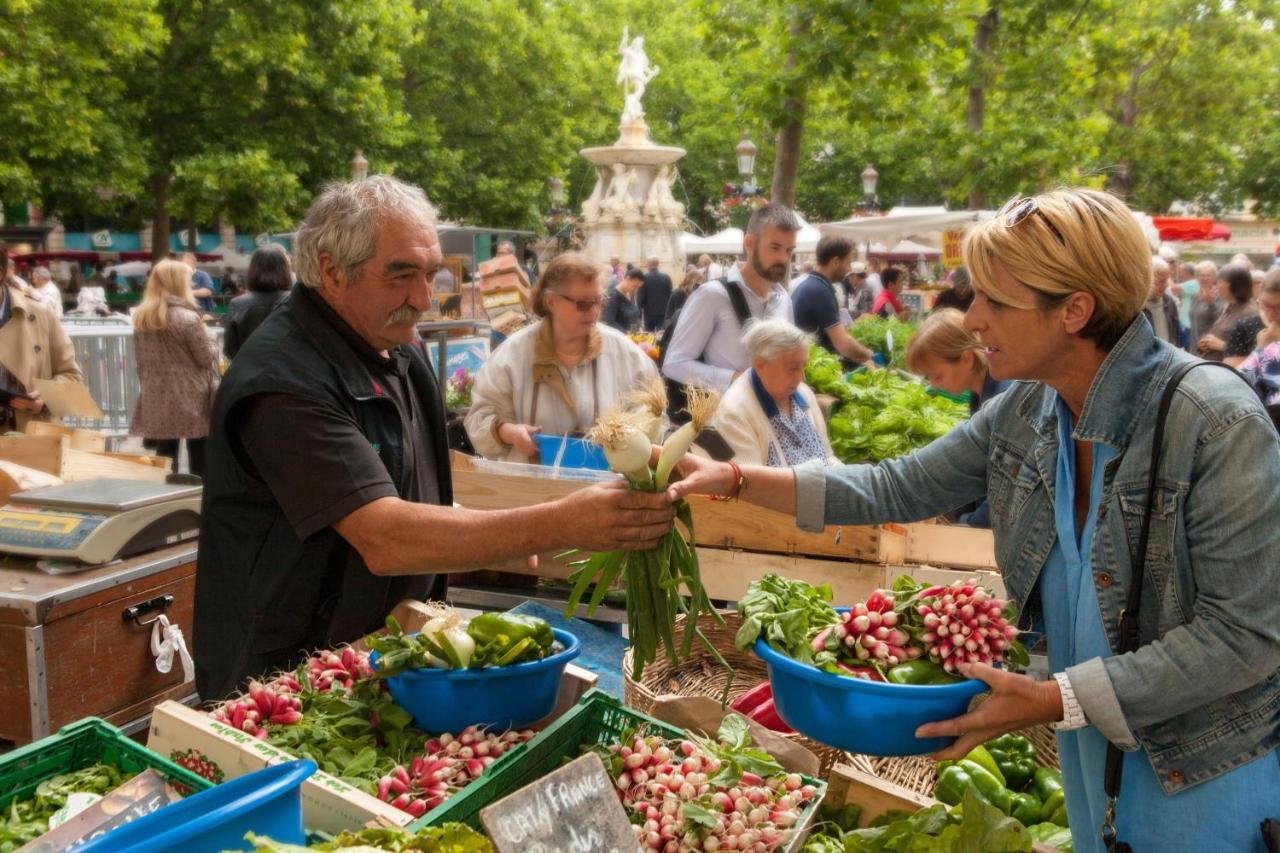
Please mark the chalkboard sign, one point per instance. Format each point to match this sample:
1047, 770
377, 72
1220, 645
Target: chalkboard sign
571, 810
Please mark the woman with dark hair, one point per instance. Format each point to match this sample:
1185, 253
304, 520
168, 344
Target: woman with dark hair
1231, 339
269, 280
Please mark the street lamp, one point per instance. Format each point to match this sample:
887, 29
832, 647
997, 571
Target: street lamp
359, 166
869, 178
746, 152
556, 188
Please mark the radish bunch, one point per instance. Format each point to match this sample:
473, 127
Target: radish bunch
870, 632
963, 623
449, 764
341, 668
252, 712
667, 788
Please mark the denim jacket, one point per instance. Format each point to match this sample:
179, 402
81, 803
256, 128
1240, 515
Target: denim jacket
1202, 695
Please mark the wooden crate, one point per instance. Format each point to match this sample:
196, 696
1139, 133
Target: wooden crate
876, 796
734, 525
80, 439
66, 652
55, 455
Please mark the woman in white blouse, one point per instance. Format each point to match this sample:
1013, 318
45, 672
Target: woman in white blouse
559, 374
768, 415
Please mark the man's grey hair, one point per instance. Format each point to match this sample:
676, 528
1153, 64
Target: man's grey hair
1159, 264
768, 339
345, 218
775, 216
1207, 266
41, 274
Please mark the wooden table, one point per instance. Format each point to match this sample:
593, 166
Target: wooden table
67, 650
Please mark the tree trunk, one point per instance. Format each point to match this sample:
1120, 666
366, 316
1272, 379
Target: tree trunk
1121, 181
193, 233
786, 162
979, 69
159, 217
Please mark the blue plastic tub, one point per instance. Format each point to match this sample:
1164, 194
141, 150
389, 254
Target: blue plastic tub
501, 697
853, 714
266, 802
578, 452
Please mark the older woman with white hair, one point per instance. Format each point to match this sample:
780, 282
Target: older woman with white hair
768, 415
1134, 509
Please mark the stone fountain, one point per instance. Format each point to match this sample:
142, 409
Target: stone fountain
632, 213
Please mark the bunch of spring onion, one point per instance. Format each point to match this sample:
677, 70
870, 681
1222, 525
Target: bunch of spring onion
654, 579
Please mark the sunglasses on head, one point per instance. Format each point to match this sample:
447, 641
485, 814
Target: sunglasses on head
1019, 208
583, 305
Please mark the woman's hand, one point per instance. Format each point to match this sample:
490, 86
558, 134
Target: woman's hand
31, 403
520, 436
1212, 343
1015, 702
701, 476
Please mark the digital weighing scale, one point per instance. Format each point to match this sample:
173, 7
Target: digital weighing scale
95, 521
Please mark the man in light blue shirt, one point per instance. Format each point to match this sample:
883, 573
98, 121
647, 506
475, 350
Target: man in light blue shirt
706, 345
202, 286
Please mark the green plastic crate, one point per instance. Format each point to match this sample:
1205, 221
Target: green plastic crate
598, 718
79, 745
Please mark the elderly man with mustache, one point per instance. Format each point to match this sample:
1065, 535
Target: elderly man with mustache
328, 498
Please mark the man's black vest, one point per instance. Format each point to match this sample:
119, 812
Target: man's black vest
262, 595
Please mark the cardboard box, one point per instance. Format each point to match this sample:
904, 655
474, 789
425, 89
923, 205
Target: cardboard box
185, 735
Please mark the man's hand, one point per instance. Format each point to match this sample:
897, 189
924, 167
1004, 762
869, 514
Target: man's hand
700, 476
1015, 702
31, 403
520, 436
611, 517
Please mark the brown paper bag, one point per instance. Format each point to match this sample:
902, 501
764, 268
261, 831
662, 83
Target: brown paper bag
703, 714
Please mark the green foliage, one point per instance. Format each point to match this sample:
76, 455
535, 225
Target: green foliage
885, 416
877, 333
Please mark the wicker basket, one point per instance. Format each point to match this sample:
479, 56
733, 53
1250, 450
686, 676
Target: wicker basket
701, 675
917, 773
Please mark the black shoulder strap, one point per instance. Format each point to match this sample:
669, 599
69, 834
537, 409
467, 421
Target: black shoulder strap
739, 300
1130, 637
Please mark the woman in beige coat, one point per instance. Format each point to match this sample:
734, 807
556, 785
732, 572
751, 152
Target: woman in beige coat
33, 345
176, 359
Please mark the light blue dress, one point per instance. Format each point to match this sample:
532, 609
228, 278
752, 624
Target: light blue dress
1220, 815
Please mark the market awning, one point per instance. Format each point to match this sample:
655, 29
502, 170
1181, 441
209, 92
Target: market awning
726, 242
908, 251
1188, 228
902, 223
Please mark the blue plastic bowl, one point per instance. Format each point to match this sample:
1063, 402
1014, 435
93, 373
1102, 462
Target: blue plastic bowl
578, 452
853, 714
502, 697
266, 802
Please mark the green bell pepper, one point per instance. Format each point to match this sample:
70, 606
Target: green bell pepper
1026, 809
1048, 787
953, 781
920, 672
506, 638
1016, 758
1057, 837
980, 756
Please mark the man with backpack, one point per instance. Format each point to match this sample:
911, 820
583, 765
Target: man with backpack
703, 342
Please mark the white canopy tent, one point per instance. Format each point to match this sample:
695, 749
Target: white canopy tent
807, 238
726, 242
904, 223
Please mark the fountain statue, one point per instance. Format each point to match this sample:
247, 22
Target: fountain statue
632, 213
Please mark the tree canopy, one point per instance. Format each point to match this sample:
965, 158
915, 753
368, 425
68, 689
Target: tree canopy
207, 108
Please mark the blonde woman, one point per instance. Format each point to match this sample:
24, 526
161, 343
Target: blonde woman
176, 358
952, 359
1064, 458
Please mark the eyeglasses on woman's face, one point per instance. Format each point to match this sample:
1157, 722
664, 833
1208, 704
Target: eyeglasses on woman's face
585, 306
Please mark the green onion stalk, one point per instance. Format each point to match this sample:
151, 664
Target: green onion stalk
663, 581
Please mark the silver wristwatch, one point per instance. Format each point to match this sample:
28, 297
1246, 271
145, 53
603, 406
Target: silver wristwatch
1072, 714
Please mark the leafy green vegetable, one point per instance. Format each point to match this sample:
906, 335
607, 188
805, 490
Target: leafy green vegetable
884, 415
786, 613
737, 756
27, 819
872, 332
824, 374
447, 838
978, 828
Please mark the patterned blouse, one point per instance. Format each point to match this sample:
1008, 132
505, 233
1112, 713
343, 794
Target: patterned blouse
795, 433
1262, 370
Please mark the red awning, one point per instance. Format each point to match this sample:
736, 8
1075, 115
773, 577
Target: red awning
47, 257
1188, 228
202, 257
